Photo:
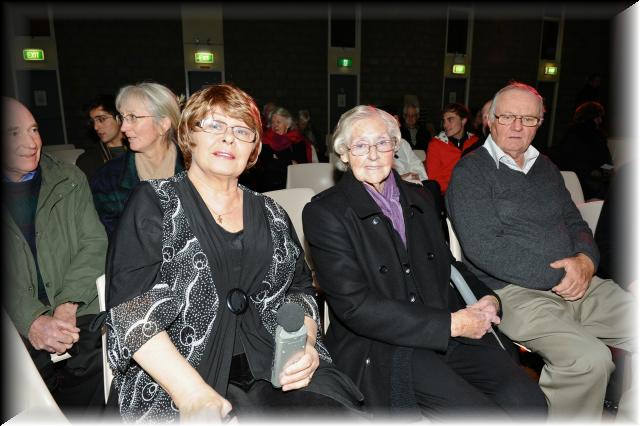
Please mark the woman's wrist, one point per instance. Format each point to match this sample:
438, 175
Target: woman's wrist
186, 394
312, 330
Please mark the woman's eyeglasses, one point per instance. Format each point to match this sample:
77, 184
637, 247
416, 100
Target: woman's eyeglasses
362, 148
218, 127
132, 118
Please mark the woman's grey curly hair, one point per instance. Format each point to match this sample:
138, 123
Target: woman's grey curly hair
342, 134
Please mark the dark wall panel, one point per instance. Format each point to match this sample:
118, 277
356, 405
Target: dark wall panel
403, 55
100, 55
282, 61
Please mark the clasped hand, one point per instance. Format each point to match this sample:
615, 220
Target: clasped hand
410, 176
579, 270
55, 334
475, 320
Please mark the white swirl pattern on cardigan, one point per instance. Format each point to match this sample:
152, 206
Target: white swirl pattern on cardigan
185, 303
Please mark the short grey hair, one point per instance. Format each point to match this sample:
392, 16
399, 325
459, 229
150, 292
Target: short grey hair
515, 85
284, 113
342, 134
407, 106
159, 100
304, 115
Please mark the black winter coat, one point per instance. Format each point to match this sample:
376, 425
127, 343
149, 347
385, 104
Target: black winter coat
383, 298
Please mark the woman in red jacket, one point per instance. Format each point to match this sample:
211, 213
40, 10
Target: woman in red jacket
283, 145
449, 145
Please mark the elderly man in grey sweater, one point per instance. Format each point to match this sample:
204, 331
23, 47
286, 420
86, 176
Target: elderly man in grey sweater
524, 237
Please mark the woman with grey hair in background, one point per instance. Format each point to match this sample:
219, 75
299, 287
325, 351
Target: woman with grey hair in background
397, 328
283, 145
149, 113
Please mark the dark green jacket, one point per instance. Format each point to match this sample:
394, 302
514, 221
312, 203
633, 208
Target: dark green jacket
71, 245
112, 184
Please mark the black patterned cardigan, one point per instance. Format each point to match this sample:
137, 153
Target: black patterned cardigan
185, 303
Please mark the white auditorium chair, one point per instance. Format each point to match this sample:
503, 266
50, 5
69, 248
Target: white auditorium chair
27, 399
107, 375
59, 147
590, 212
421, 154
325, 320
454, 244
317, 176
573, 185
293, 201
67, 155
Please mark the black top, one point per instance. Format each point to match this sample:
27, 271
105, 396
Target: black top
235, 260
180, 281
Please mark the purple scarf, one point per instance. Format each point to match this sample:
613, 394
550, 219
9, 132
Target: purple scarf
389, 203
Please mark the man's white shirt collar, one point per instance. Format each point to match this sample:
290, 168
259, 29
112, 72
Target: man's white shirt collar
499, 156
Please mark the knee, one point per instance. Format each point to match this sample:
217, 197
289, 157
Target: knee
522, 395
595, 362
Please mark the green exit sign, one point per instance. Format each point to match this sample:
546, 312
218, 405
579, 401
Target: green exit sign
33, 54
204, 58
551, 70
459, 69
345, 62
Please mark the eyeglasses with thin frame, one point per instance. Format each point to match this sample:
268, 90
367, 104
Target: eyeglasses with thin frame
360, 148
99, 119
218, 127
132, 118
527, 120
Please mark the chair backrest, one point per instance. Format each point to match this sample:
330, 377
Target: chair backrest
325, 320
62, 146
27, 396
573, 185
591, 213
317, 176
454, 244
293, 201
68, 155
107, 375
421, 154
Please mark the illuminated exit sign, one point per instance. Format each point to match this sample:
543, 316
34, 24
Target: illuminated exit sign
204, 58
459, 69
345, 62
33, 54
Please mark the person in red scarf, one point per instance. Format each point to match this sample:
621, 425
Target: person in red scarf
283, 145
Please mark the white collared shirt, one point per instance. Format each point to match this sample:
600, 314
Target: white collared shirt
499, 156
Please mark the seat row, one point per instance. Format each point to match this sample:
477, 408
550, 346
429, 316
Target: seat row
303, 182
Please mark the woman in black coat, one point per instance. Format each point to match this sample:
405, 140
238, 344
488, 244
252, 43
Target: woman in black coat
398, 329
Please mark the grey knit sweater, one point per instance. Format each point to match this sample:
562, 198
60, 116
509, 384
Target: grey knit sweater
512, 225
